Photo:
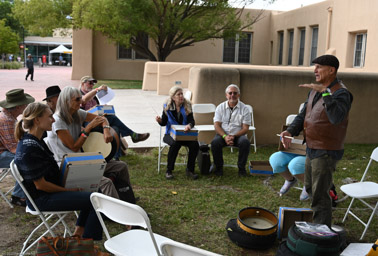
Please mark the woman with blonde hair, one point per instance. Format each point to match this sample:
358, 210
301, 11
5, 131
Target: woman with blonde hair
178, 110
41, 173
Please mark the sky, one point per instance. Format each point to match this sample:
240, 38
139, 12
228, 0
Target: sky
282, 5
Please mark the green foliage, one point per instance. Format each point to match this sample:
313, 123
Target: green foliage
10, 65
6, 13
121, 84
40, 17
8, 39
171, 25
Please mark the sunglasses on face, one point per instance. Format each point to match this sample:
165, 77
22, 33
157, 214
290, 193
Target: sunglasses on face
234, 93
77, 99
90, 82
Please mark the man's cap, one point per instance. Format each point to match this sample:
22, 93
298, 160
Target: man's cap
16, 97
29, 54
87, 79
52, 91
327, 60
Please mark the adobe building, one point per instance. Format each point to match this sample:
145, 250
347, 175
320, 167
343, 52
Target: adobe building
345, 28
268, 64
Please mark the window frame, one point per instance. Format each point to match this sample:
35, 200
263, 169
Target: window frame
301, 50
236, 48
362, 50
290, 47
314, 49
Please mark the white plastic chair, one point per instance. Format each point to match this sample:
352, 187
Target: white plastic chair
252, 128
363, 190
3, 174
290, 119
173, 248
44, 215
188, 95
133, 242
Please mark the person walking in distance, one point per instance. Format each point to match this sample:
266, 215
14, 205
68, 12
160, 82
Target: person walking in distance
30, 67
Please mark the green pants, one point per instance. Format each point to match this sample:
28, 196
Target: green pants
318, 182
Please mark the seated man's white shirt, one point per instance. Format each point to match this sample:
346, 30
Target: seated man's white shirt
232, 120
57, 146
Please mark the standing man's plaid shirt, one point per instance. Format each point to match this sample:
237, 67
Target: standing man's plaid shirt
7, 126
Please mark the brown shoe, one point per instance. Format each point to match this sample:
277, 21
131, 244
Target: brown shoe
140, 137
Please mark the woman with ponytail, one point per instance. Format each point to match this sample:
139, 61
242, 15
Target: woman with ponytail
41, 173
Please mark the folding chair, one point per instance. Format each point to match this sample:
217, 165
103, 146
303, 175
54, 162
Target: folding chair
3, 174
44, 215
173, 248
363, 190
133, 242
188, 95
162, 146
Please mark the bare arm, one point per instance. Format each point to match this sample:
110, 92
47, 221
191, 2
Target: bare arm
243, 131
90, 95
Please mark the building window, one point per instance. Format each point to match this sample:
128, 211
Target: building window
238, 50
128, 53
290, 50
314, 43
301, 45
280, 47
360, 50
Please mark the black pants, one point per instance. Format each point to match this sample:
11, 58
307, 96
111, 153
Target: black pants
174, 147
30, 72
241, 142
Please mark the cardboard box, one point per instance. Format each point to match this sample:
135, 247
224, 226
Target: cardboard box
287, 216
260, 168
178, 134
102, 109
297, 146
82, 170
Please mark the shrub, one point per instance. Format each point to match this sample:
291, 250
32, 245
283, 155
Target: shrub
11, 65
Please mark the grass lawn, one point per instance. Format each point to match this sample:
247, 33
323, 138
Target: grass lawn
196, 212
121, 84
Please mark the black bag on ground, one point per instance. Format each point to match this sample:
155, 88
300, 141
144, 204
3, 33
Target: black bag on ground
203, 159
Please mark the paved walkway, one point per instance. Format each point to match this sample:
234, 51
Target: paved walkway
136, 108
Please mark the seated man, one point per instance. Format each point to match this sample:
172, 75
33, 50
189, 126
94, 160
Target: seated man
13, 106
52, 94
89, 101
231, 122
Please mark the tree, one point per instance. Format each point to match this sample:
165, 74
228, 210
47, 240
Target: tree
170, 24
8, 39
41, 17
7, 14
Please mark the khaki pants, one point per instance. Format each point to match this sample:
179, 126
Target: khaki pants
118, 171
318, 182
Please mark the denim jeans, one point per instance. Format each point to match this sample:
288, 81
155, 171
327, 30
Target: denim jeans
73, 201
5, 159
120, 128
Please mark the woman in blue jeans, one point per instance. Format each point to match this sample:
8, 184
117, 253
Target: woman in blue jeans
41, 173
291, 167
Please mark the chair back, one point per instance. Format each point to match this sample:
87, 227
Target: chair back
16, 174
250, 108
122, 212
290, 119
203, 108
173, 248
300, 107
374, 156
188, 95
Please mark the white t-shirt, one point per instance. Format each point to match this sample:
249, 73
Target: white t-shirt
232, 119
53, 141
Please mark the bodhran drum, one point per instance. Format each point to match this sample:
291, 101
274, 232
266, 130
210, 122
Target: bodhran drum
95, 143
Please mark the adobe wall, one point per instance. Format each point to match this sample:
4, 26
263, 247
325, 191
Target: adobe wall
274, 94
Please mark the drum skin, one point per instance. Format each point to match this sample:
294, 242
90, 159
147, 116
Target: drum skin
95, 143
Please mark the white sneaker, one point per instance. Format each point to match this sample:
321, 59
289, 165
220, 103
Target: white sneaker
304, 195
287, 185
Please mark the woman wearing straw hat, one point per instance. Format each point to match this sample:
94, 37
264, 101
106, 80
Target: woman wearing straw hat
13, 106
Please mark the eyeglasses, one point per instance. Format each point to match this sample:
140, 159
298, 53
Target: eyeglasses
234, 93
91, 82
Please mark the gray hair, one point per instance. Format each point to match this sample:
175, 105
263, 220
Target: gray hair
234, 86
64, 104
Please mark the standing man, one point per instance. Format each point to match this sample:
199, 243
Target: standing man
324, 120
13, 106
30, 67
231, 121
